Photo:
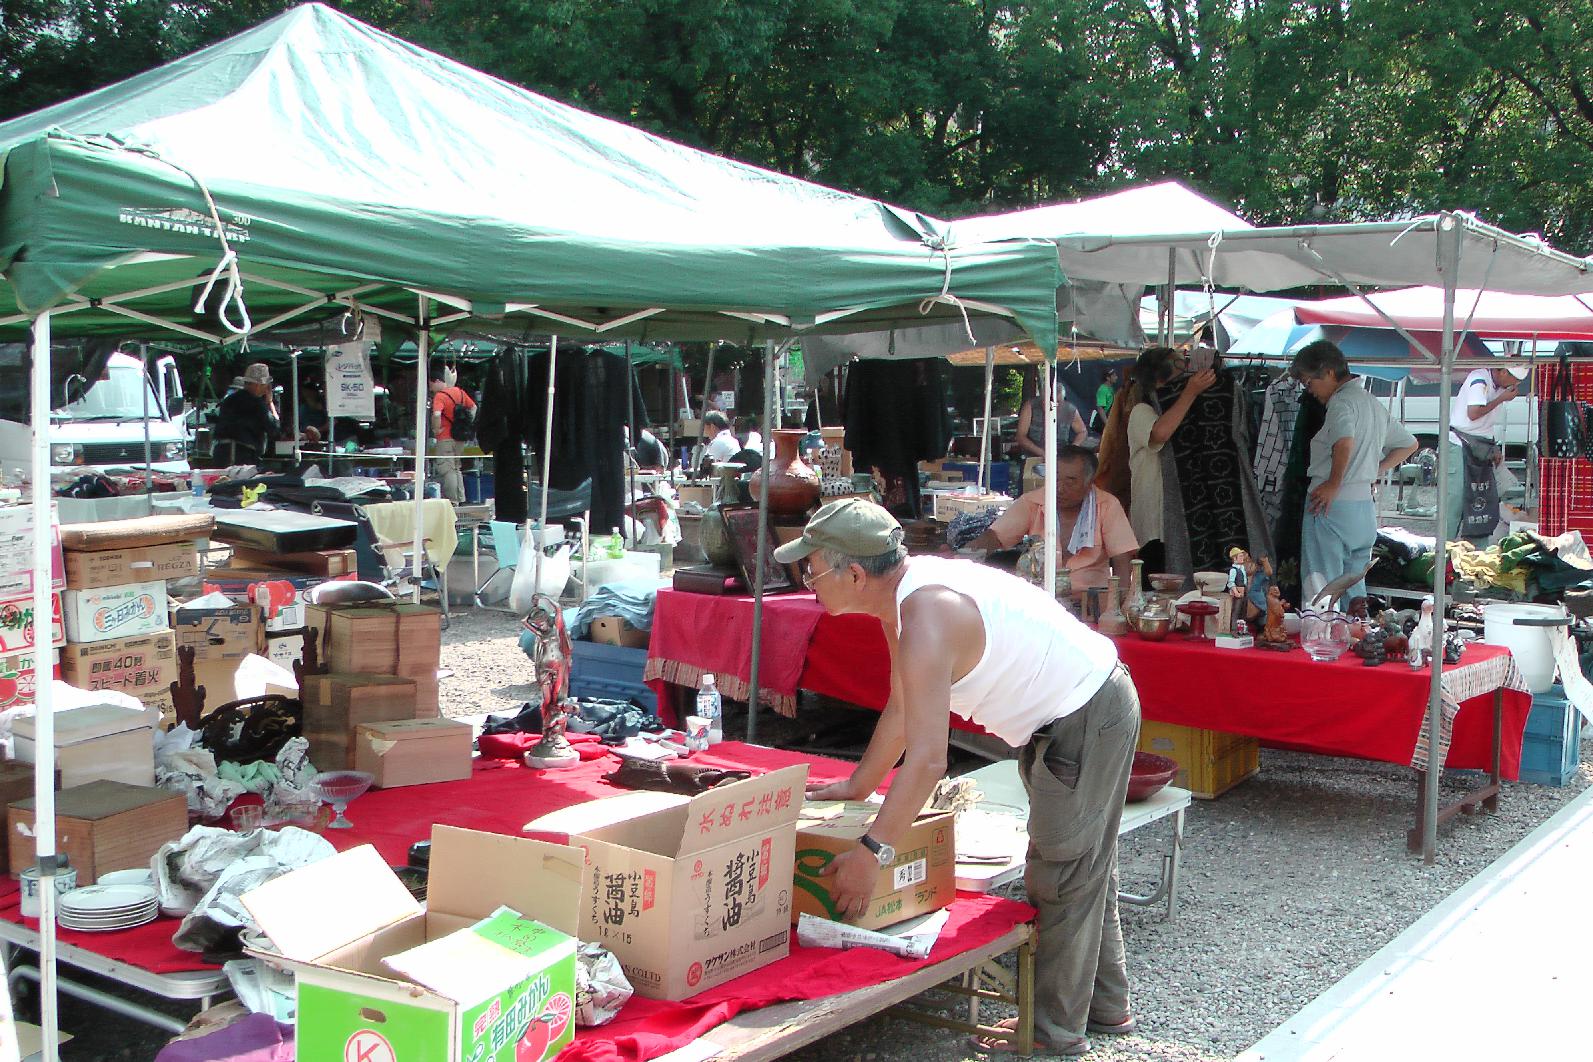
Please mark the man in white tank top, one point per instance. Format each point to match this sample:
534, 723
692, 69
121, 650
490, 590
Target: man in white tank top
990, 647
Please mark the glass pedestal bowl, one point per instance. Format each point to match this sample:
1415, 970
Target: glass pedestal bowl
340, 788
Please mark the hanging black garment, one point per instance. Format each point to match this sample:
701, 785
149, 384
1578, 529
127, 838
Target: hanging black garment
589, 417
503, 428
895, 418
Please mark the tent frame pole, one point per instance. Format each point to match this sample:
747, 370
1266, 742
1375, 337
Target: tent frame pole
984, 433
298, 433
764, 532
44, 839
1048, 404
422, 423
547, 470
635, 446
1449, 262
149, 454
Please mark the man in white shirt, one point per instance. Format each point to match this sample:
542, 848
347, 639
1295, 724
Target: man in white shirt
721, 441
989, 647
1358, 442
1474, 417
751, 438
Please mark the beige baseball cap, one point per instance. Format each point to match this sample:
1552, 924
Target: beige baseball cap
852, 526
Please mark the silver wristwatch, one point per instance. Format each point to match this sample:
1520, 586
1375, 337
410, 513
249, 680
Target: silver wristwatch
882, 852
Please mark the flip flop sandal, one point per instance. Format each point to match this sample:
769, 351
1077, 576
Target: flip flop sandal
1123, 1028
1010, 1047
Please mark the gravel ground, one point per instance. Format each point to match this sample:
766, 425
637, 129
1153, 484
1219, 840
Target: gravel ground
1289, 882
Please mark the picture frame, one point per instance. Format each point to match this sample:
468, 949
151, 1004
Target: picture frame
744, 528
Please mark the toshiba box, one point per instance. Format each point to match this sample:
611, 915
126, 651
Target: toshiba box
693, 893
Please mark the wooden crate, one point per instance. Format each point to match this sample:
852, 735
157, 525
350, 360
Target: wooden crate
384, 640
413, 751
336, 704
101, 827
16, 783
1210, 762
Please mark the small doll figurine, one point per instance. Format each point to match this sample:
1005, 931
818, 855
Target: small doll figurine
1454, 647
1419, 649
1248, 579
1274, 635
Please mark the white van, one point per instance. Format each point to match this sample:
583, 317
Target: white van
95, 425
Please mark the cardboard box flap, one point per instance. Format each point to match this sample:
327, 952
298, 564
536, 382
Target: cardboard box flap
542, 880
86, 723
492, 955
730, 812
317, 909
592, 816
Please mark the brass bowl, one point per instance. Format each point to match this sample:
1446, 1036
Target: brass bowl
1153, 628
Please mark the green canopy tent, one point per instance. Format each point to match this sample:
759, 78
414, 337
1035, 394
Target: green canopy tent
313, 166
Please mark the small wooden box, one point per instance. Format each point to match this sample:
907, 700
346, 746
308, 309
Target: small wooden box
93, 743
413, 751
379, 640
338, 703
16, 783
101, 827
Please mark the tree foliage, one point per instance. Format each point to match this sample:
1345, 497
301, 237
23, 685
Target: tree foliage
1291, 110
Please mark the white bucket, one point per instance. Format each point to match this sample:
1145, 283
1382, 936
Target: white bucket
1531, 646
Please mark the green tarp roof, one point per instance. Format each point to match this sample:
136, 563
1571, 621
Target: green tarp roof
346, 163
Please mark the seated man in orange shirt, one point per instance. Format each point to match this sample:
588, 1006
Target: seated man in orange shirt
1092, 528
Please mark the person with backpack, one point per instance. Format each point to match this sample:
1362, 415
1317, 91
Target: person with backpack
453, 423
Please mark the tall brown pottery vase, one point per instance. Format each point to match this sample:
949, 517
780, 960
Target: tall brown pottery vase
793, 486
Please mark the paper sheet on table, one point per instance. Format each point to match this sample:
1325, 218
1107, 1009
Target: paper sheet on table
1578, 690
911, 939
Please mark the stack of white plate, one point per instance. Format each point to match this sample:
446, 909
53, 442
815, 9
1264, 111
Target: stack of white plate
102, 908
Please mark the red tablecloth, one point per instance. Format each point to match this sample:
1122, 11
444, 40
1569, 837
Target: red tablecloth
500, 797
804, 648
1341, 708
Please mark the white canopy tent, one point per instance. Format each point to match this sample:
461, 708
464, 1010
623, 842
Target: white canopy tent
1449, 251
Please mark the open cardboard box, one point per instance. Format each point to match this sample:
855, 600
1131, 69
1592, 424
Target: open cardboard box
922, 878
688, 893
484, 973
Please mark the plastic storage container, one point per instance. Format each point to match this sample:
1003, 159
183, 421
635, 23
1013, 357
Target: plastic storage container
611, 671
1551, 748
1210, 762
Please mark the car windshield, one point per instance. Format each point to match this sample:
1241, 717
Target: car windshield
119, 395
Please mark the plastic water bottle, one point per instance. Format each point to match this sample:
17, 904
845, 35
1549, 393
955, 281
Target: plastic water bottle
196, 483
711, 707
616, 546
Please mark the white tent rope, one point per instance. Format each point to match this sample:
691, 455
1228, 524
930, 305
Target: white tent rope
1207, 283
232, 294
939, 246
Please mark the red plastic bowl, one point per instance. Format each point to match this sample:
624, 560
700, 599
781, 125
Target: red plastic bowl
1149, 773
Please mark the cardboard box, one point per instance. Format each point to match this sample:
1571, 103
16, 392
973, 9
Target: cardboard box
18, 681
695, 893
143, 666
337, 704
484, 973
413, 751
86, 570
700, 493
285, 650
101, 827
922, 879
16, 551
16, 625
97, 741
107, 612
612, 630
230, 633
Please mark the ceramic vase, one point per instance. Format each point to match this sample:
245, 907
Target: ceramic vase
1133, 595
793, 487
1112, 623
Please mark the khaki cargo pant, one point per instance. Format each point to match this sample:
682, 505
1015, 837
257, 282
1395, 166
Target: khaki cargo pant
1076, 774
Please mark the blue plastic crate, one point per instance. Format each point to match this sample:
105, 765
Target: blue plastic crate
1551, 747
611, 671
1000, 473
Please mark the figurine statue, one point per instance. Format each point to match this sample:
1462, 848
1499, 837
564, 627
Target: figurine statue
550, 656
1454, 647
1419, 650
1373, 647
1248, 579
1274, 635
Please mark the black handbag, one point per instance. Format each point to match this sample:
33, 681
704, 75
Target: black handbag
1562, 416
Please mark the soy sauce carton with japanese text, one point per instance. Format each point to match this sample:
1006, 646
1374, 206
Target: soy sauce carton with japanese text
689, 894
